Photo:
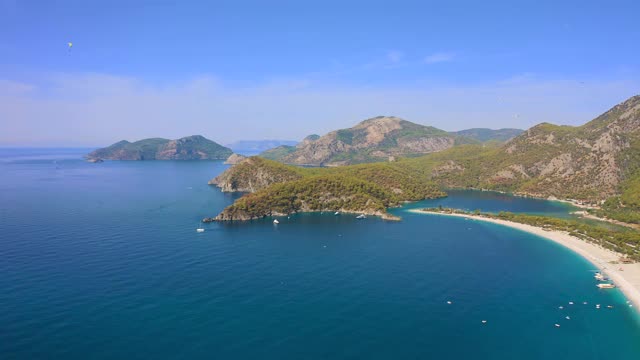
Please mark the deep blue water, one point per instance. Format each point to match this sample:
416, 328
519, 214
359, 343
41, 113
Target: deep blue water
102, 261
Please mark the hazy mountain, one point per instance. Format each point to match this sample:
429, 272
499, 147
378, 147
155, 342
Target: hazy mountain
484, 134
257, 146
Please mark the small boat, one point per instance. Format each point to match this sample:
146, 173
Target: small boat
484, 321
361, 216
275, 221
449, 302
610, 306
606, 286
337, 213
557, 325
570, 302
200, 230
598, 276
567, 317
560, 307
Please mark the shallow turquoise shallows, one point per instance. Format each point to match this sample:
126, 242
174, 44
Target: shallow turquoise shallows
103, 261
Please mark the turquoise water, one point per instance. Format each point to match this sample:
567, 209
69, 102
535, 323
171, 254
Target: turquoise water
494, 202
102, 261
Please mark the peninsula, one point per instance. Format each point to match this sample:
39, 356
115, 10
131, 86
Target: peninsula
278, 189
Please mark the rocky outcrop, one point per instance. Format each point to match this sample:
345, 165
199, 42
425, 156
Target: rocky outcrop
235, 159
253, 174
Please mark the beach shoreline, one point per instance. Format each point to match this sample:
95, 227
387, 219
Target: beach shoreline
627, 279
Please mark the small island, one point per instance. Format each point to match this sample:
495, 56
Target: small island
194, 147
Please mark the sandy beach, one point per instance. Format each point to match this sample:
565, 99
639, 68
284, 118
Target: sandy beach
627, 279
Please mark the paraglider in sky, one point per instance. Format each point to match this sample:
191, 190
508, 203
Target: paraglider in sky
69, 45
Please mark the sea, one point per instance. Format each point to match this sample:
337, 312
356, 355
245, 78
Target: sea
103, 261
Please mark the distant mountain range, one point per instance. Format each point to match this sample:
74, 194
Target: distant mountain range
194, 147
379, 139
257, 146
485, 135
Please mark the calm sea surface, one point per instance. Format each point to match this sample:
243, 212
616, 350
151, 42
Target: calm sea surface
102, 261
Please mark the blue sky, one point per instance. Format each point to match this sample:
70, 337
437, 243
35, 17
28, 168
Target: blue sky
233, 70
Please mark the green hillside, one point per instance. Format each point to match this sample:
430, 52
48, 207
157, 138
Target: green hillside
367, 188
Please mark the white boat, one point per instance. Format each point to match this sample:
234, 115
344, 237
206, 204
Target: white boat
606, 286
598, 276
276, 221
361, 216
337, 213
557, 325
200, 230
567, 317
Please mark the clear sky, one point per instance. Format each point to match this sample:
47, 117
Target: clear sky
232, 70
